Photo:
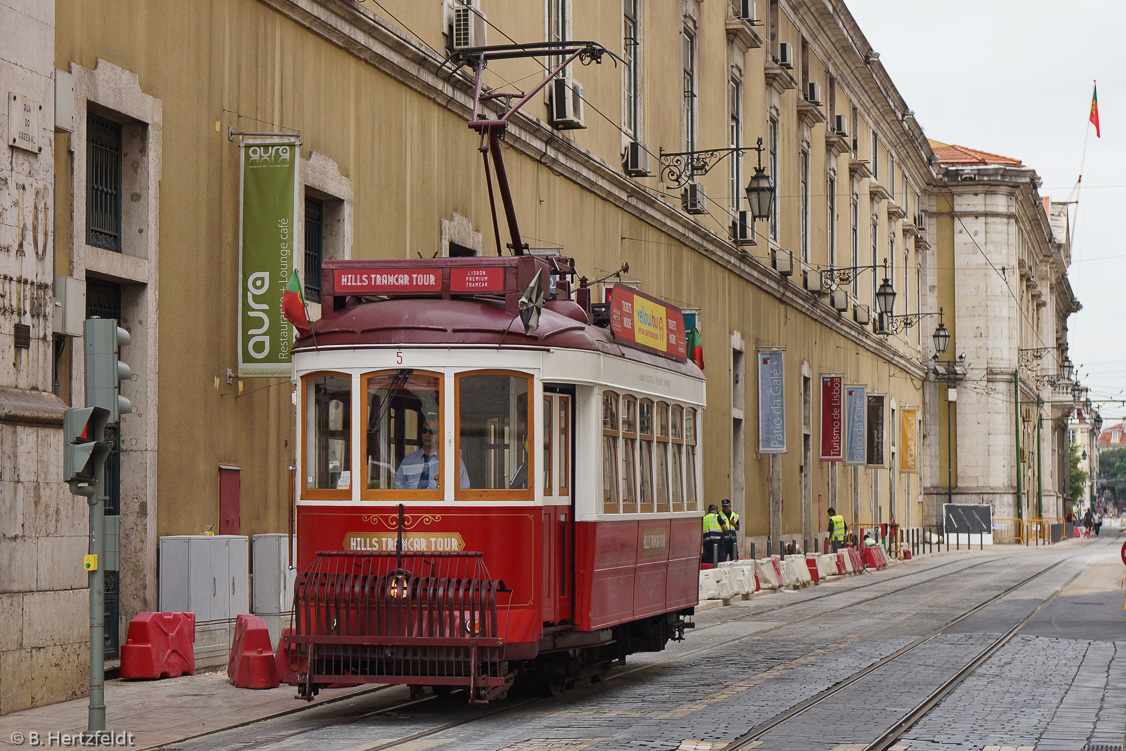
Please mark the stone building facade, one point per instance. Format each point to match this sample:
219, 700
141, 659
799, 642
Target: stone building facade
1002, 255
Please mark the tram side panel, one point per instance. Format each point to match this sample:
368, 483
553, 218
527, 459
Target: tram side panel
631, 569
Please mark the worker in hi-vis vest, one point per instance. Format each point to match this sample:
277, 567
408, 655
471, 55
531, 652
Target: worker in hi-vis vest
730, 549
837, 529
715, 527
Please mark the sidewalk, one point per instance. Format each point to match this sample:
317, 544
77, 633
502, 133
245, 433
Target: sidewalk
161, 712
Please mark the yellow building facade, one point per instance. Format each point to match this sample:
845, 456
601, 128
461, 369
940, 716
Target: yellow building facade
389, 169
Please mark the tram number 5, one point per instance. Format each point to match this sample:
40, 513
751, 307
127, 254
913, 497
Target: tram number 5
399, 357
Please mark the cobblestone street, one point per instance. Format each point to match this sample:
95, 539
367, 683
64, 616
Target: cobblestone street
755, 674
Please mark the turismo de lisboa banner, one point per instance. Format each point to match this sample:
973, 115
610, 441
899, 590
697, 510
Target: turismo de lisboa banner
267, 209
909, 439
856, 425
771, 403
832, 423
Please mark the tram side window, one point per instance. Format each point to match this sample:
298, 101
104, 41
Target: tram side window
610, 428
629, 455
645, 423
493, 430
661, 471
402, 431
677, 459
548, 412
328, 431
690, 459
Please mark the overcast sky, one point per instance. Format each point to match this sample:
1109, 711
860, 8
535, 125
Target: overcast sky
1015, 78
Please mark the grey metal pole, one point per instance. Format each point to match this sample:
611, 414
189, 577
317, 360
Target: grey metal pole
97, 713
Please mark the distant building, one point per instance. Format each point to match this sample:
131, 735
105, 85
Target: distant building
1113, 437
1084, 432
1001, 279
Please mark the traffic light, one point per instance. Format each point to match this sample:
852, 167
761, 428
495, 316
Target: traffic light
104, 372
84, 448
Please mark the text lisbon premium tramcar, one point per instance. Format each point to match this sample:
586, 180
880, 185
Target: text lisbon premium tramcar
546, 519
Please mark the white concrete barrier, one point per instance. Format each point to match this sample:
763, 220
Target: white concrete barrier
827, 565
847, 561
709, 590
723, 582
767, 577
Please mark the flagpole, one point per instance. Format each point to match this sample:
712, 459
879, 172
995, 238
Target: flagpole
1082, 162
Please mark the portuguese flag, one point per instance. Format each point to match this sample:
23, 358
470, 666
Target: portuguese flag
696, 347
1095, 110
293, 305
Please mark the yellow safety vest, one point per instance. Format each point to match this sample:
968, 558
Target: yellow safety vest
732, 520
838, 527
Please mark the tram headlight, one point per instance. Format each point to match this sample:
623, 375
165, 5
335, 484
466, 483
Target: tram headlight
398, 584
472, 627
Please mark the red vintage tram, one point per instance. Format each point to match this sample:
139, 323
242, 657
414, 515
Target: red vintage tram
567, 536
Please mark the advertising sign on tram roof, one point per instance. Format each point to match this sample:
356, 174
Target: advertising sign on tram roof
647, 322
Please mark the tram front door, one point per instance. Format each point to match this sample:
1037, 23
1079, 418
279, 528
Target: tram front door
558, 509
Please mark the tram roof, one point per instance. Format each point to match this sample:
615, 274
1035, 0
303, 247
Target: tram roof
481, 322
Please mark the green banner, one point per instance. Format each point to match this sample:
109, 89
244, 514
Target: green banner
267, 255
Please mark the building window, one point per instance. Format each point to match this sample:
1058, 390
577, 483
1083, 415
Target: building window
875, 254
891, 266
735, 141
854, 211
875, 155
891, 176
805, 206
831, 200
314, 247
631, 78
689, 44
557, 21
854, 130
103, 184
773, 164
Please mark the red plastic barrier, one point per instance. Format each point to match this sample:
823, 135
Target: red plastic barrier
159, 645
906, 555
252, 663
857, 560
870, 558
777, 568
840, 563
758, 587
811, 564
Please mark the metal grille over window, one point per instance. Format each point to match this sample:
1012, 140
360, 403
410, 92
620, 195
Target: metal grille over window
103, 190
314, 247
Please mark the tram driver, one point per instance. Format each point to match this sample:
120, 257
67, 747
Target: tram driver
419, 469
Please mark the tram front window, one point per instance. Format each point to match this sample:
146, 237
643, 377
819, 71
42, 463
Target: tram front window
328, 409
493, 421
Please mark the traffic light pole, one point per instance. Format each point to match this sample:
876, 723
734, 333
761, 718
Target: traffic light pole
97, 712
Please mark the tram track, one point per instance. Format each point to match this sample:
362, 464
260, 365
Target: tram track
508, 707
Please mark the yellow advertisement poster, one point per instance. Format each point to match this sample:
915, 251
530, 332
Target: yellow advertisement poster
909, 433
649, 324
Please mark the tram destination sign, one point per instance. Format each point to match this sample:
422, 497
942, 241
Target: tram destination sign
647, 322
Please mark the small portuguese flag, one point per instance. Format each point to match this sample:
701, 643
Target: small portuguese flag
293, 305
696, 347
1095, 110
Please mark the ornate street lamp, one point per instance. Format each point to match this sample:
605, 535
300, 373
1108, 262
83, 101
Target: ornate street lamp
885, 295
941, 337
760, 190
1067, 369
1076, 391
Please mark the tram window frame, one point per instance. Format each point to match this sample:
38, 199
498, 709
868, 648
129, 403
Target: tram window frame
611, 427
405, 494
691, 489
548, 440
326, 494
563, 435
661, 451
646, 451
629, 455
471, 493
676, 436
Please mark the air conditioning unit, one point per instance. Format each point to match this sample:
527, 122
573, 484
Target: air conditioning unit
743, 229
468, 28
693, 199
811, 280
636, 160
567, 104
840, 125
747, 10
813, 96
785, 55
838, 298
782, 261
862, 314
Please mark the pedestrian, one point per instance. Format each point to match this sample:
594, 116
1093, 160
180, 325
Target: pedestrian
1098, 520
714, 528
1089, 521
730, 551
837, 529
